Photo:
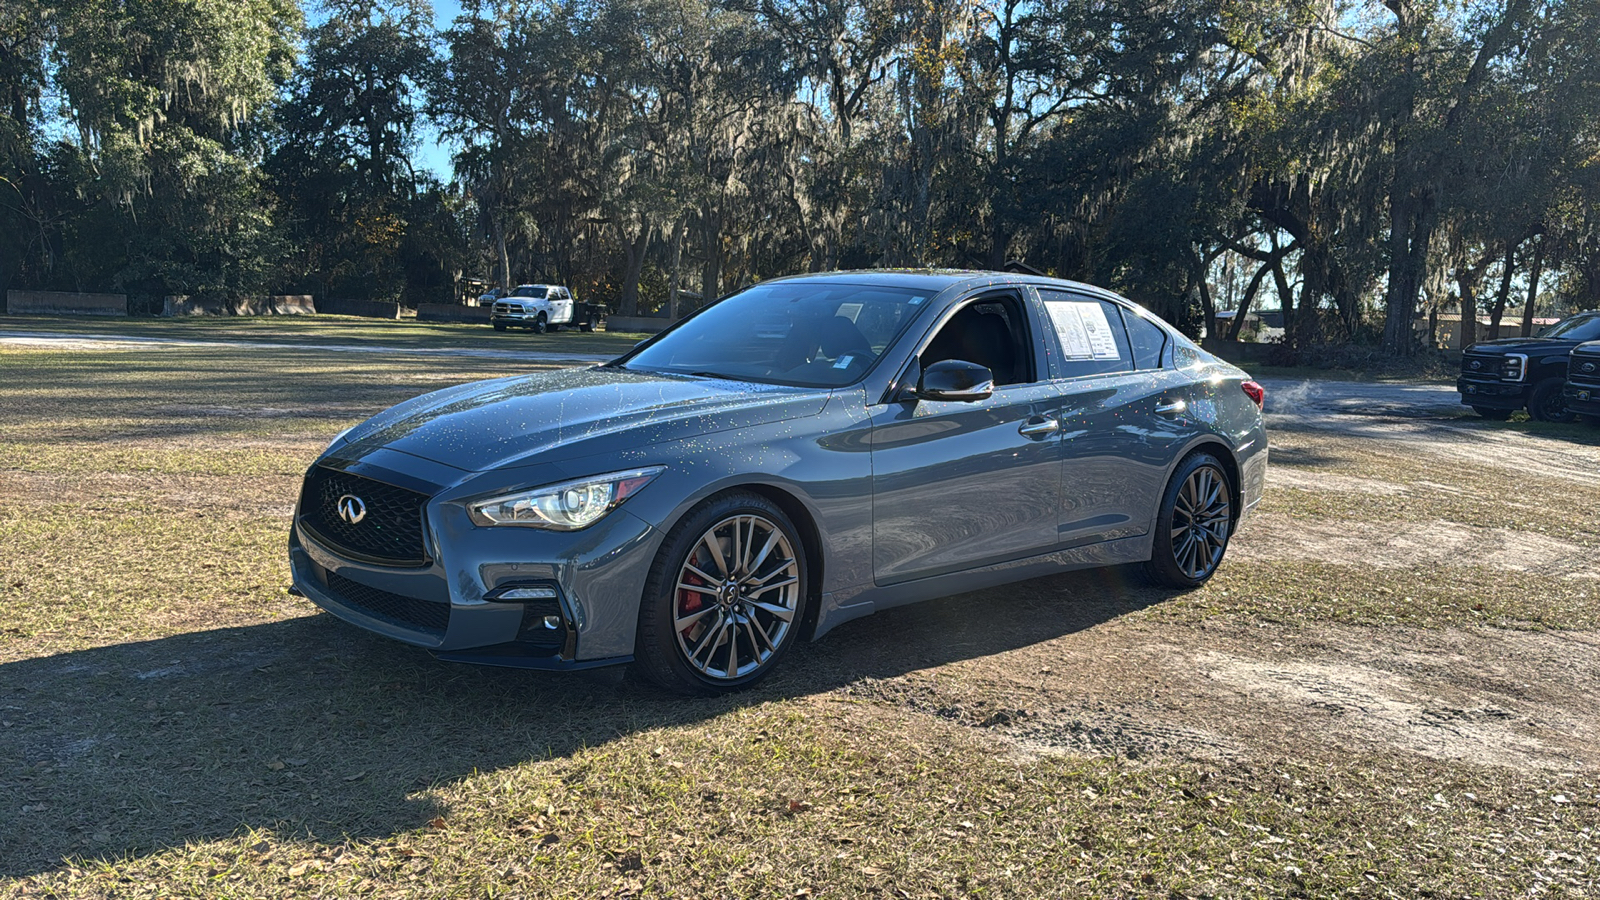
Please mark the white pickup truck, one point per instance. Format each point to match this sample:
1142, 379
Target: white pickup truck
542, 307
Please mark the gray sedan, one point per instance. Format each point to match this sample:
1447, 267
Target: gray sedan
799, 454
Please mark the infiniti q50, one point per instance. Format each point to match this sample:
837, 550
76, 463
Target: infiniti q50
799, 454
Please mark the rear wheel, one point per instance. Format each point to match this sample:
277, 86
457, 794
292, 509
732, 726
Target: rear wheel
1546, 404
1488, 412
725, 597
1196, 520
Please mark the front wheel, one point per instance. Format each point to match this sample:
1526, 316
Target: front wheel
1498, 415
1195, 522
539, 324
1546, 404
725, 597
499, 326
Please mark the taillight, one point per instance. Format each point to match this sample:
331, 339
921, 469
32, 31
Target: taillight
1255, 392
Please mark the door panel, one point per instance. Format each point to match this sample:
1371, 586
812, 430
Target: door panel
1115, 446
957, 485
1115, 450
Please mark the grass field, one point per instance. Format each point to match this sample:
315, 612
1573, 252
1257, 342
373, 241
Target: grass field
1389, 690
330, 330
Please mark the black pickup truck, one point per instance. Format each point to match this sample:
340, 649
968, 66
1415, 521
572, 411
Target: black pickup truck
1582, 395
1501, 377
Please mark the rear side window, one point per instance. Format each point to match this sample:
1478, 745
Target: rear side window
1146, 338
1091, 334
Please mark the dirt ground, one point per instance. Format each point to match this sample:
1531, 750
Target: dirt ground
1228, 688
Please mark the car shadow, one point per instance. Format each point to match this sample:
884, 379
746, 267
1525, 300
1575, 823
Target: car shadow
312, 729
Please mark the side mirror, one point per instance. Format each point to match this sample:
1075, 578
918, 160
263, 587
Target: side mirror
955, 380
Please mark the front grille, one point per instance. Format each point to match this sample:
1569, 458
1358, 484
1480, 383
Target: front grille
408, 612
1577, 375
1489, 367
391, 532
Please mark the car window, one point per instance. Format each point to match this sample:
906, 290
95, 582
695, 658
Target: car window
1145, 337
989, 331
1575, 328
810, 334
1092, 337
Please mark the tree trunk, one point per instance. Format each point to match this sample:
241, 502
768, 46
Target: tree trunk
1237, 324
711, 271
677, 268
633, 255
1411, 229
1291, 316
500, 247
1533, 287
1469, 308
1498, 311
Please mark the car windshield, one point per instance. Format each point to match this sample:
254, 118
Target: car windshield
803, 333
531, 292
1575, 328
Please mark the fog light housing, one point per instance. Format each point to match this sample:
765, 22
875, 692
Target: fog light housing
545, 626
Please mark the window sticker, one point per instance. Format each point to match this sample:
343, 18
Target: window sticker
916, 300
844, 362
849, 311
1083, 329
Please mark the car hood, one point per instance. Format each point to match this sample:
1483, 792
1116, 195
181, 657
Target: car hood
553, 415
1521, 345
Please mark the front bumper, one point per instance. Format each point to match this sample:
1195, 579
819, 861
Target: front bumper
1583, 399
451, 606
1492, 394
513, 318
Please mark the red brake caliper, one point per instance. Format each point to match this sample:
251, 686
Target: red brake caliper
690, 601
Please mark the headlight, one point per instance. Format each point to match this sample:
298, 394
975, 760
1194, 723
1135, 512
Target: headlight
567, 506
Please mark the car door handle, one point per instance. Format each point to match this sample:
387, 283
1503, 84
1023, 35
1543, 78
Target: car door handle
1171, 408
1038, 426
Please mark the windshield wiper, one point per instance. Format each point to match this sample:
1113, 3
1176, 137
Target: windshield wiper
716, 375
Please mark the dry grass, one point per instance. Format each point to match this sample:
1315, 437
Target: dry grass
330, 330
173, 724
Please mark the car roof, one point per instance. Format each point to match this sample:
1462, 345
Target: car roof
940, 279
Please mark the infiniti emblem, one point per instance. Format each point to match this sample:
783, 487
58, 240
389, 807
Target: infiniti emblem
352, 509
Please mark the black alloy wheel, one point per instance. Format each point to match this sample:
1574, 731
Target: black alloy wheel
1546, 404
1196, 520
1489, 412
725, 597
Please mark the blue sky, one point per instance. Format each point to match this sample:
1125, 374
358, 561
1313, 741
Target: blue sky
432, 154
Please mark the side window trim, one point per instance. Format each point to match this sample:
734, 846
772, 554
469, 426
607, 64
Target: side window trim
1163, 355
1031, 341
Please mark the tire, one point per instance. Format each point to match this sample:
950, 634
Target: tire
499, 327
539, 324
1546, 405
1488, 412
1197, 518
746, 549
586, 327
